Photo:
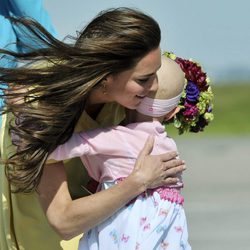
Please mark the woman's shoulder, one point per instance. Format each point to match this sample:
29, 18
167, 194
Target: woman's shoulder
111, 114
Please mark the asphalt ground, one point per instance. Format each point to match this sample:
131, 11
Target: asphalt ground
217, 191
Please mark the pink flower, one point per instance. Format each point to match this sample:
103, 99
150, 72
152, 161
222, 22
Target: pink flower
190, 110
143, 220
178, 229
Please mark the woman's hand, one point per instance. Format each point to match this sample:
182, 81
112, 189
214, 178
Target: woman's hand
157, 170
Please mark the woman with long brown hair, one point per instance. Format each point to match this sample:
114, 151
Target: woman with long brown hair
61, 88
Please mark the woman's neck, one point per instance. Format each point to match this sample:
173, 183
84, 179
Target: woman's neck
95, 102
144, 118
94, 110
96, 96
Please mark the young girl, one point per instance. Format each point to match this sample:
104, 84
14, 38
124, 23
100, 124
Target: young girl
155, 219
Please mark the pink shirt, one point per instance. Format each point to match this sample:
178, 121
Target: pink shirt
111, 153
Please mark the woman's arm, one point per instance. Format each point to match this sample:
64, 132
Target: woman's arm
72, 217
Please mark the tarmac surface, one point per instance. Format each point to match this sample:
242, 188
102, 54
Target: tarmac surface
217, 192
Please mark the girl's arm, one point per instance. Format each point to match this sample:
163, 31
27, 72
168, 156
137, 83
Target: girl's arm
72, 217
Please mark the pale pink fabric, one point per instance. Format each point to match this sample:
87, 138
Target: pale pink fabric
157, 107
111, 153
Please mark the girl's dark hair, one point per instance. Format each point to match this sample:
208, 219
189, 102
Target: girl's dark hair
47, 93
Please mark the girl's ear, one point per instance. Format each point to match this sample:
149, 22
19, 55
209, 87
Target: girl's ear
172, 113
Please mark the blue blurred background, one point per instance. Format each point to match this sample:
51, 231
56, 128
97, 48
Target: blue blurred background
216, 33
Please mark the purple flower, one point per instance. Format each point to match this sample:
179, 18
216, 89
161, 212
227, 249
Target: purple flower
209, 110
192, 92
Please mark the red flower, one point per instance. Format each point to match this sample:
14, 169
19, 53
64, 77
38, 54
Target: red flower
193, 72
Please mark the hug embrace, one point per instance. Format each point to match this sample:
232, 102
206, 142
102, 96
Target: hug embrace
73, 112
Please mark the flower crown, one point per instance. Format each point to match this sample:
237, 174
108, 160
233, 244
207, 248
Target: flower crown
196, 101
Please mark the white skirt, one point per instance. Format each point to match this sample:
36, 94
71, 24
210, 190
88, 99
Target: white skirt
149, 222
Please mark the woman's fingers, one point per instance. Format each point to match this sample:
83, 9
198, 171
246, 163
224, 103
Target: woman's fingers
168, 156
170, 181
157, 170
174, 171
172, 164
148, 147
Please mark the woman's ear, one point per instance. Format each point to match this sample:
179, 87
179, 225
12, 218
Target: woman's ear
106, 83
172, 113
109, 79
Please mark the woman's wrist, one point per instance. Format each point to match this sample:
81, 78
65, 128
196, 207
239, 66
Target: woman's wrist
137, 182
